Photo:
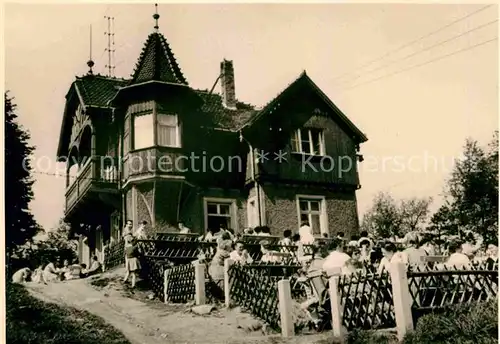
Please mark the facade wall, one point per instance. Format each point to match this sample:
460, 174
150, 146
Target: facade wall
165, 198
281, 209
144, 200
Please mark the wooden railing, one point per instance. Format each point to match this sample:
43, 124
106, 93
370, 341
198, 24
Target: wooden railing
96, 170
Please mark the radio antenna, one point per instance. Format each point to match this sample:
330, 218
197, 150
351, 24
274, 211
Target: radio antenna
111, 44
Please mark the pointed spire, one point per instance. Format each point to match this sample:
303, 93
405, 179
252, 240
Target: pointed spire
156, 16
90, 62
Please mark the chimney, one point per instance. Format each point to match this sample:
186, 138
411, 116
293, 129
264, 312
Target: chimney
227, 83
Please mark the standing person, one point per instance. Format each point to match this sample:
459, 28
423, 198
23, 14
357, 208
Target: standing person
140, 233
306, 234
132, 264
216, 268
127, 230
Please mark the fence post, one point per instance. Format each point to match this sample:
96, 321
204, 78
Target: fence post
199, 283
401, 298
227, 297
336, 306
285, 308
165, 285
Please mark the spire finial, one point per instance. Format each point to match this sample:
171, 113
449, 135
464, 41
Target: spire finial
156, 16
90, 62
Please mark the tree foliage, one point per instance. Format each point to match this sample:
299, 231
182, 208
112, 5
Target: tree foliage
387, 217
20, 225
472, 193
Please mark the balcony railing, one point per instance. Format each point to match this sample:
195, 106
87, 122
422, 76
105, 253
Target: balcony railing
98, 173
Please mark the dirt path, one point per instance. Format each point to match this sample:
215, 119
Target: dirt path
151, 322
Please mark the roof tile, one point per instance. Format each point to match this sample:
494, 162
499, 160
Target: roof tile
223, 117
157, 62
97, 90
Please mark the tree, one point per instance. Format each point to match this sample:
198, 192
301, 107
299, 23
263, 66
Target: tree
20, 225
472, 194
388, 218
414, 213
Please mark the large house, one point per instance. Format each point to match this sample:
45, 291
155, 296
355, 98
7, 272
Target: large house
154, 148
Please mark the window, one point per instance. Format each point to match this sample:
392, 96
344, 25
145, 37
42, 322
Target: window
313, 210
168, 131
143, 131
308, 141
220, 212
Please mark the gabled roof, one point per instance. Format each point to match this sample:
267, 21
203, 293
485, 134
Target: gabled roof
97, 90
91, 91
157, 63
304, 81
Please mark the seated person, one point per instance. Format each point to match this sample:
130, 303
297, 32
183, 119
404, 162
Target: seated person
50, 273
457, 259
95, 267
83, 271
21, 276
268, 256
37, 275
183, 229
74, 272
240, 255
287, 238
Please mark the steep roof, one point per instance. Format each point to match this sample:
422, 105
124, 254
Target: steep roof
297, 85
97, 90
157, 63
91, 91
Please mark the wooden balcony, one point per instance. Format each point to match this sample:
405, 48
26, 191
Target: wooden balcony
91, 180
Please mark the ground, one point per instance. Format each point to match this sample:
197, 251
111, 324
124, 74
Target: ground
145, 321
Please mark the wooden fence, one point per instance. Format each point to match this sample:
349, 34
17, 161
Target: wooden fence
367, 301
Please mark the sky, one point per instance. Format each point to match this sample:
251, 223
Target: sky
416, 95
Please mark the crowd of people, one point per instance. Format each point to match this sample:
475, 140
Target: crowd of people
347, 256
53, 271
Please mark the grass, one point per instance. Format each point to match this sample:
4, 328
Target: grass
31, 321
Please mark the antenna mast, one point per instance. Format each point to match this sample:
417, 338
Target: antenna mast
111, 45
90, 62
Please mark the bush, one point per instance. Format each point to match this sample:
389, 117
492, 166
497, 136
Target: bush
30, 320
461, 324
370, 337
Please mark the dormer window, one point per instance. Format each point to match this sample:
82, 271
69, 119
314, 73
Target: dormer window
308, 141
167, 131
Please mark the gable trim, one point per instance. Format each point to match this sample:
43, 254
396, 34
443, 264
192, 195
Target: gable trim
269, 108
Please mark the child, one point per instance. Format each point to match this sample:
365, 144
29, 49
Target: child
132, 263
